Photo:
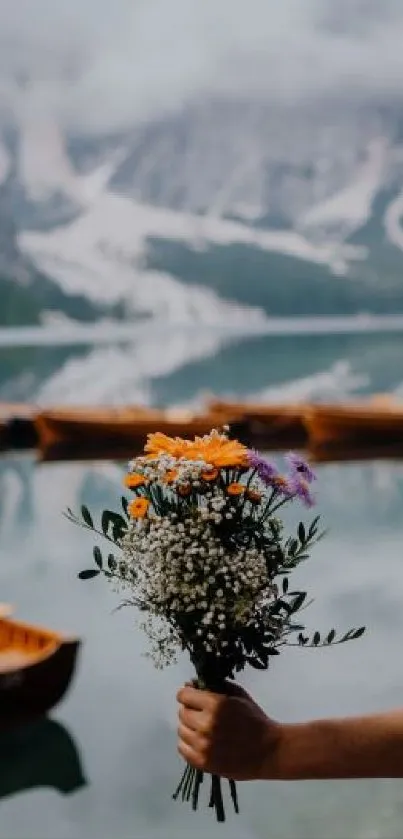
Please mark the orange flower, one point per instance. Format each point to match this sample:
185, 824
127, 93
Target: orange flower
235, 489
134, 480
253, 496
158, 444
138, 508
210, 475
170, 476
184, 490
220, 452
215, 449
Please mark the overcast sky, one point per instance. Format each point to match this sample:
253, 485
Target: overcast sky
126, 59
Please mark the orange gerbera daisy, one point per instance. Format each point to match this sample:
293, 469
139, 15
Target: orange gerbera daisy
138, 508
219, 451
159, 443
134, 480
235, 489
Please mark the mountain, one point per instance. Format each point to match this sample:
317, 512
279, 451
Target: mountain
28, 295
223, 212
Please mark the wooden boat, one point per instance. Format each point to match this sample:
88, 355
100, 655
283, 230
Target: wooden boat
17, 427
347, 452
116, 428
36, 667
41, 754
273, 425
365, 423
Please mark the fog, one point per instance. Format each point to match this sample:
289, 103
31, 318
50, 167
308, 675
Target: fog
100, 65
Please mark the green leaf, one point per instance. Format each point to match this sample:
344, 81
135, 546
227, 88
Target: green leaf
118, 530
105, 520
87, 516
89, 574
125, 506
316, 639
298, 602
112, 563
285, 585
358, 633
313, 527
97, 557
254, 662
301, 533
330, 638
347, 636
293, 547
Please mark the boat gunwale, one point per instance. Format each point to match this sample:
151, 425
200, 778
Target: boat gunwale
56, 642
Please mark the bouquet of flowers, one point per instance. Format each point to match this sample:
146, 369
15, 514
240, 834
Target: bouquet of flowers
203, 555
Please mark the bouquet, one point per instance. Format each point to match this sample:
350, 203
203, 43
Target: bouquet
203, 555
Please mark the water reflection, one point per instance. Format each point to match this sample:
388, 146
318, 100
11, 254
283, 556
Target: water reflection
41, 754
123, 711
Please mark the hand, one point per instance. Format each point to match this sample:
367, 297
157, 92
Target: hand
226, 735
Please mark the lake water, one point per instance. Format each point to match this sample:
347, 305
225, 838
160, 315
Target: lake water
119, 715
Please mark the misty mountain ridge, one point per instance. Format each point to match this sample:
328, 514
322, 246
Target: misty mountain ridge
300, 206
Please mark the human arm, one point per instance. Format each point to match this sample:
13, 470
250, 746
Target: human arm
231, 736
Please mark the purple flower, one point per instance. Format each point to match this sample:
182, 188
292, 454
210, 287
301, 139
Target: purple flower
267, 471
302, 490
285, 485
299, 467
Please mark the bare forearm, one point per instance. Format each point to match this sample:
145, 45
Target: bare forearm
361, 747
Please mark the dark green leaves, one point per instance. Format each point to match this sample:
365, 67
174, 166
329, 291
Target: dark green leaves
313, 528
298, 601
353, 634
113, 525
331, 638
125, 506
97, 557
105, 521
112, 563
88, 574
87, 516
256, 663
301, 533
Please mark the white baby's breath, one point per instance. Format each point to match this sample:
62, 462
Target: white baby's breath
179, 569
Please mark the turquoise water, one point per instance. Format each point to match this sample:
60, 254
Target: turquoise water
120, 766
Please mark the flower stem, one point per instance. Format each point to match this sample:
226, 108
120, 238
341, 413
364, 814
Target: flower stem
181, 783
196, 788
234, 796
217, 797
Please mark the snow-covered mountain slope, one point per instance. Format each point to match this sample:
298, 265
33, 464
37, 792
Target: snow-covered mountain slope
350, 208
100, 251
263, 163
319, 185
